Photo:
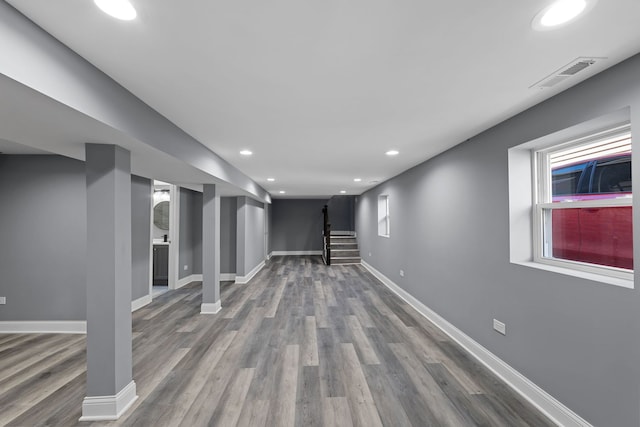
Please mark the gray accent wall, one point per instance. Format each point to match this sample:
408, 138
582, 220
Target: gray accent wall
190, 253
250, 235
297, 224
140, 235
43, 238
228, 233
342, 213
579, 340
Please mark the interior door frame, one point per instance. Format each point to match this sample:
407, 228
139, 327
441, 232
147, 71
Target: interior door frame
174, 235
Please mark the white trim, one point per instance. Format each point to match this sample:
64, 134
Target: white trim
542, 400
43, 327
245, 279
151, 225
174, 236
210, 307
140, 302
585, 273
189, 279
109, 408
295, 253
269, 255
226, 277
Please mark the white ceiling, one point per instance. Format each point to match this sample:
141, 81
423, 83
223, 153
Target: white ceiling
320, 90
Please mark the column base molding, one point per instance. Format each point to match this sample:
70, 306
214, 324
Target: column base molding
210, 307
109, 408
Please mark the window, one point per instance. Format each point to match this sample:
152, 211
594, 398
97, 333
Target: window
383, 216
582, 218
570, 197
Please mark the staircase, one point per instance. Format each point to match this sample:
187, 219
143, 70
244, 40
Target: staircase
344, 248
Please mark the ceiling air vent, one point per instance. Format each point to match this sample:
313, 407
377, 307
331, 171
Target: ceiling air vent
565, 72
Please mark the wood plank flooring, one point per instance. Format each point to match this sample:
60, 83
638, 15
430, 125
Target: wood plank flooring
302, 344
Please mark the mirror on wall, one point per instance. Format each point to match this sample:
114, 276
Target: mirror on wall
161, 215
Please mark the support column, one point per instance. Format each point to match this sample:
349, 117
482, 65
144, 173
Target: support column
241, 233
110, 386
210, 250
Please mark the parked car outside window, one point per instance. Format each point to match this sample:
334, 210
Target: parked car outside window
595, 235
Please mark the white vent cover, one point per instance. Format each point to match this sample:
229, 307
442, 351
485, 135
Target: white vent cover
565, 72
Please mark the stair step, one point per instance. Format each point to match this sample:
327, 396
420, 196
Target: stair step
343, 234
345, 260
344, 242
345, 246
345, 253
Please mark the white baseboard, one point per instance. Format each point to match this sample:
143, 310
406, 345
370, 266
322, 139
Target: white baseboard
269, 255
43, 327
546, 403
189, 279
245, 279
294, 253
227, 277
140, 302
210, 307
108, 408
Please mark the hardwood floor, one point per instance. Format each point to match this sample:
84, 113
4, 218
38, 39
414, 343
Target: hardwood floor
302, 344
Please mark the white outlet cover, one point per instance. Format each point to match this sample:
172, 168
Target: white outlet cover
3, 300
186, 267
500, 327
401, 273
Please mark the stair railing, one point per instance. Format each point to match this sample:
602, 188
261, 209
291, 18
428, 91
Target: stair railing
326, 236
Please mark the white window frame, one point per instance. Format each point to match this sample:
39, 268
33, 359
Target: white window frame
523, 174
543, 205
384, 220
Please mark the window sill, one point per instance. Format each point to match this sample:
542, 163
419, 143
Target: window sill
615, 281
384, 235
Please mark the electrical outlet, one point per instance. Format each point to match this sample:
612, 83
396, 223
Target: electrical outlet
500, 327
3, 300
369, 253
186, 267
401, 273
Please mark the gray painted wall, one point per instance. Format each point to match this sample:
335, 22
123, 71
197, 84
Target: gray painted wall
190, 254
342, 213
228, 233
43, 242
577, 339
250, 235
44, 237
140, 235
297, 224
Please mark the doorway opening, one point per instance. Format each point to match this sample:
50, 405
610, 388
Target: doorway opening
164, 234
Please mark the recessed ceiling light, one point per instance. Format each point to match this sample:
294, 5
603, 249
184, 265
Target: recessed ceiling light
246, 152
271, 179
560, 12
119, 9
357, 179
342, 192
282, 191
392, 153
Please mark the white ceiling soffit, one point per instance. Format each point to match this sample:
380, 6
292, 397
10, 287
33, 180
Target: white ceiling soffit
30, 124
12, 148
319, 91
